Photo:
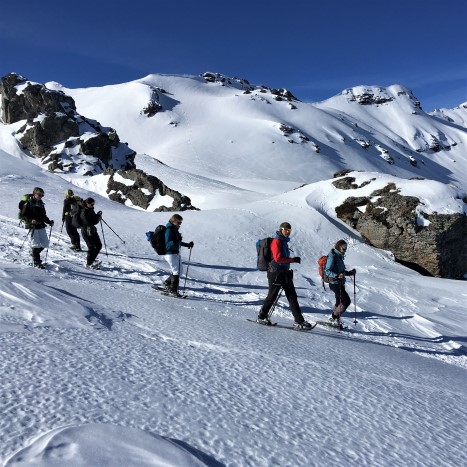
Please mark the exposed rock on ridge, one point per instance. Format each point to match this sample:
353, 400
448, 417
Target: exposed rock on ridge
433, 244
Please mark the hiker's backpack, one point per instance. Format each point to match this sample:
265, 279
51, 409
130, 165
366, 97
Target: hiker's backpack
264, 254
321, 267
157, 239
23, 201
76, 218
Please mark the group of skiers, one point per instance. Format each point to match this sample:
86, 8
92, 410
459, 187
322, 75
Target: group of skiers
34, 217
280, 277
80, 214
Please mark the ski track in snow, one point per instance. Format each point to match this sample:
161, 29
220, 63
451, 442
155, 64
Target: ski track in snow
138, 387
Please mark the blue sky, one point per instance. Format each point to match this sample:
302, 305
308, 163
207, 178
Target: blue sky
313, 48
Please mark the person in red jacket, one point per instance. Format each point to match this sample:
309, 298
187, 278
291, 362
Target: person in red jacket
280, 276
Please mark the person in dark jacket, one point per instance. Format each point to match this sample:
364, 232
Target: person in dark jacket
336, 272
33, 211
69, 203
280, 276
89, 232
173, 242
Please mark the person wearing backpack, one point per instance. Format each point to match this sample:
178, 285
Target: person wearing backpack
71, 204
280, 276
173, 242
89, 220
336, 272
35, 217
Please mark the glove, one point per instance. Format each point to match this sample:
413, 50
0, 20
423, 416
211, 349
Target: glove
51, 223
191, 245
99, 213
350, 273
297, 259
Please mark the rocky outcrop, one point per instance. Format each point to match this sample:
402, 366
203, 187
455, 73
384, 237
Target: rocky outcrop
145, 191
67, 142
55, 133
433, 244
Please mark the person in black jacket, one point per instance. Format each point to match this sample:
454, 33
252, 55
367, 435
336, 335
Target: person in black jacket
33, 211
173, 242
69, 204
89, 232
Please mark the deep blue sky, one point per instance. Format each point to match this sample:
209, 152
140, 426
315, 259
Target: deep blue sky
313, 48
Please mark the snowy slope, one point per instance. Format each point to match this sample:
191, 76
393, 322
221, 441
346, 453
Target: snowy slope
99, 369
216, 131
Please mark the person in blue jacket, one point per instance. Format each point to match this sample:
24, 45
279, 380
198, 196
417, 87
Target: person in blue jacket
336, 272
173, 242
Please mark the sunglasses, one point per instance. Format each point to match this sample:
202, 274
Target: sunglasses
41, 195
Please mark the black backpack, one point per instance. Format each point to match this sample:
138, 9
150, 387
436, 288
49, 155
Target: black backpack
264, 255
157, 239
76, 219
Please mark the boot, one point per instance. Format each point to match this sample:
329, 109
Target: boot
174, 286
167, 284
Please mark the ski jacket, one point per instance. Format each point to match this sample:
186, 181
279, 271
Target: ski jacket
335, 266
34, 209
90, 219
173, 239
280, 253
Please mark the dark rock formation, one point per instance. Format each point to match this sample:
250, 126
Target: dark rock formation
434, 247
55, 133
68, 142
141, 188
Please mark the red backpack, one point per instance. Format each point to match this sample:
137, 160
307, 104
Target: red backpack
321, 265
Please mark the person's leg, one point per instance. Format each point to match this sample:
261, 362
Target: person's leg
342, 299
274, 289
291, 294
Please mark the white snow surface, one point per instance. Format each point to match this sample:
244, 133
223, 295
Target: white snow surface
99, 369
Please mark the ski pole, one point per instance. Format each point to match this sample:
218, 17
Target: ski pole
47, 251
60, 234
31, 229
123, 241
103, 238
354, 302
271, 311
187, 267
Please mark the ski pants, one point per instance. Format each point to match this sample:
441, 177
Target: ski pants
174, 261
93, 241
342, 298
72, 231
277, 280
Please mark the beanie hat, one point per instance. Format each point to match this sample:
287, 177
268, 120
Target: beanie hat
38, 189
69, 193
285, 225
89, 200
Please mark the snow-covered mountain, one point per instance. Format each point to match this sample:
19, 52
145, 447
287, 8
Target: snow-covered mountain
97, 368
231, 131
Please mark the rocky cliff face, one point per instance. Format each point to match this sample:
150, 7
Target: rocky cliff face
144, 191
67, 142
55, 133
433, 244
